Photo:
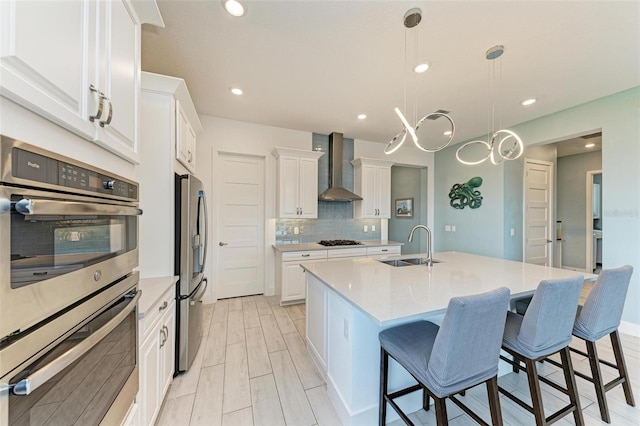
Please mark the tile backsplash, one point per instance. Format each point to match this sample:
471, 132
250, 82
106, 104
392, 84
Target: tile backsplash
335, 221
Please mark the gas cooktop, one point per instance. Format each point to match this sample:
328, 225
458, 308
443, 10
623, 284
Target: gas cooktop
339, 243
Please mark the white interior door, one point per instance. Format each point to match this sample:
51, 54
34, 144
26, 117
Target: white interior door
538, 203
240, 187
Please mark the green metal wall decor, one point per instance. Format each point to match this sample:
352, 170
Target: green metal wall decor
466, 194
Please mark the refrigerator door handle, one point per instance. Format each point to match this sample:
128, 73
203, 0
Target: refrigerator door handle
206, 229
198, 297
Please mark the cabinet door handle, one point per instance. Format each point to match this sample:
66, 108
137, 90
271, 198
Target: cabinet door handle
221, 244
189, 156
92, 118
110, 116
163, 306
162, 337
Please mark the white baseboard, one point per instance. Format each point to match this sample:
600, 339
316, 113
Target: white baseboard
629, 328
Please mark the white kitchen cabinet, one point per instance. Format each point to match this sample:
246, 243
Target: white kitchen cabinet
290, 277
77, 64
346, 253
297, 183
383, 251
157, 356
185, 139
372, 181
162, 97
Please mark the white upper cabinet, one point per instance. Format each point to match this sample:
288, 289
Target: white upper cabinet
185, 139
76, 63
117, 76
372, 181
297, 183
44, 59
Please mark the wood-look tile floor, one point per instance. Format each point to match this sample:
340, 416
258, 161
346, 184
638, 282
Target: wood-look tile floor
253, 369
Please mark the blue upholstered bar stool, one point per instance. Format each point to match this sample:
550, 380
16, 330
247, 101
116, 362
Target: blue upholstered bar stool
545, 329
600, 316
449, 359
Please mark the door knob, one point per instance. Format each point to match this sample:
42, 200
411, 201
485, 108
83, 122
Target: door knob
222, 244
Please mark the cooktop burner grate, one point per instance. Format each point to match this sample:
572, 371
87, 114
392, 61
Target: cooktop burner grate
340, 243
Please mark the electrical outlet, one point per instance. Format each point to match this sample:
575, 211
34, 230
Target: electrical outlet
453, 228
513, 232
296, 230
346, 329
447, 228
373, 228
366, 228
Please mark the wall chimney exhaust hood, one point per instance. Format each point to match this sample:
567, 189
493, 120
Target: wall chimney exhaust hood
336, 192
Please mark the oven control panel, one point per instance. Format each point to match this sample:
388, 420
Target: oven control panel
66, 175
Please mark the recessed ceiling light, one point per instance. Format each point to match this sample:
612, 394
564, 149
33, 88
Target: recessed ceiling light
590, 145
447, 133
362, 116
234, 7
420, 68
236, 91
529, 102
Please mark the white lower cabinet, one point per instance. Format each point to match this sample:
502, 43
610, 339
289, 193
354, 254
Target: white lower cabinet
383, 251
157, 355
290, 277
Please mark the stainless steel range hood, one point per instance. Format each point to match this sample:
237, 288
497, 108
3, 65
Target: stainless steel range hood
336, 192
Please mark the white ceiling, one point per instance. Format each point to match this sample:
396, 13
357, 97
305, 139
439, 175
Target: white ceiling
316, 65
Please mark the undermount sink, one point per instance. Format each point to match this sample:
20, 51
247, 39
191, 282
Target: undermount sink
396, 263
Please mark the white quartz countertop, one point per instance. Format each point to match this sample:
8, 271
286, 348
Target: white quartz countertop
390, 295
152, 291
315, 246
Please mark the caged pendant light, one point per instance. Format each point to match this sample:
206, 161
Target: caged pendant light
501, 144
411, 19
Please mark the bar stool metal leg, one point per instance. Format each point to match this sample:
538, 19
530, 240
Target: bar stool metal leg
570, 379
536, 393
622, 367
494, 402
384, 367
596, 374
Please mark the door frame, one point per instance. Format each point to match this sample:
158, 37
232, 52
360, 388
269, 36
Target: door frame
552, 213
589, 219
215, 182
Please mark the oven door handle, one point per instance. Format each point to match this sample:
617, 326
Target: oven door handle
29, 207
40, 377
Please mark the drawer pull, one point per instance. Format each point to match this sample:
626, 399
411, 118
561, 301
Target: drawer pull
385, 250
164, 306
306, 255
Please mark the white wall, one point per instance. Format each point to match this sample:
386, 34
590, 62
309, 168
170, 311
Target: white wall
618, 116
229, 136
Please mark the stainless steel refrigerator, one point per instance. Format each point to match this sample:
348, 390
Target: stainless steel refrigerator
190, 259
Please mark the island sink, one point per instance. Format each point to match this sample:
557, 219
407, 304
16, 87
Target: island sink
407, 262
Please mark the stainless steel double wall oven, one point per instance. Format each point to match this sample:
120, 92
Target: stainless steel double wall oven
68, 292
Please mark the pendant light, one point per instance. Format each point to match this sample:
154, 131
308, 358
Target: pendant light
411, 20
501, 144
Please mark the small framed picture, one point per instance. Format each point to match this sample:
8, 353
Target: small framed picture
404, 207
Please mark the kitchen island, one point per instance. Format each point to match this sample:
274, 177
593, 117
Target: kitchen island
350, 301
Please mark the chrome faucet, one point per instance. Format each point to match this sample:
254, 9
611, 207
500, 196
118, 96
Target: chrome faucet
429, 254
